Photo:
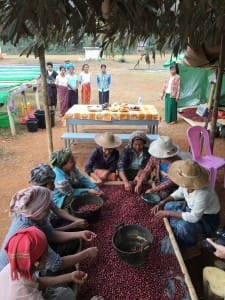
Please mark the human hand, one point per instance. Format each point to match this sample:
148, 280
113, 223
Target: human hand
135, 181
91, 252
162, 97
78, 277
156, 208
128, 186
87, 235
220, 250
95, 192
162, 214
79, 223
138, 188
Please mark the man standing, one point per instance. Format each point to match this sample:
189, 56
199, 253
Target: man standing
103, 83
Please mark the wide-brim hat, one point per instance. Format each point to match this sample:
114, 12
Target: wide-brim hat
163, 148
108, 140
188, 174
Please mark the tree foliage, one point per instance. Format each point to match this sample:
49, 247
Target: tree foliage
174, 23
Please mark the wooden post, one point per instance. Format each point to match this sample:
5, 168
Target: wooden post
41, 55
37, 97
11, 121
218, 89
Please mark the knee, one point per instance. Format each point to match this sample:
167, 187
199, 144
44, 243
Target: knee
169, 206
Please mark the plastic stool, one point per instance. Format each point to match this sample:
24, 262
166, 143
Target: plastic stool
214, 283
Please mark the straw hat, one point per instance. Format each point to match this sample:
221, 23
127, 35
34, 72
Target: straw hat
188, 174
108, 140
163, 148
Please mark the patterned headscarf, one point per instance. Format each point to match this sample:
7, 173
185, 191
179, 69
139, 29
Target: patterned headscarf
24, 248
42, 174
30, 202
138, 135
60, 157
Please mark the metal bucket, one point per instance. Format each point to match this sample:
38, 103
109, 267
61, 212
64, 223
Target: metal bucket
86, 199
132, 243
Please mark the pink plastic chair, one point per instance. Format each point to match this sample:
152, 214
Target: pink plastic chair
198, 136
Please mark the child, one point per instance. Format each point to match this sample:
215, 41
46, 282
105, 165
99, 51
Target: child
133, 159
102, 163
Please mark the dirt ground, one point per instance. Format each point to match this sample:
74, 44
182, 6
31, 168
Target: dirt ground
18, 155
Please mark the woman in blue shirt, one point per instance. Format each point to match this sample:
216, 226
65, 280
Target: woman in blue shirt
72, 86
69, 181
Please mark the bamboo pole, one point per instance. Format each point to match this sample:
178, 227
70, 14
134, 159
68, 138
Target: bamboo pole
219, 81
11, 121
180, 260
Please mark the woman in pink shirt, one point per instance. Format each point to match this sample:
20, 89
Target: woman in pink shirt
171, 91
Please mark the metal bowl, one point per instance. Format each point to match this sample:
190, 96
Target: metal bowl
87, 199
132, 243
151, 198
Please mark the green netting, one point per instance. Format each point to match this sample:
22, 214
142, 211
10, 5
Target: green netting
5, 89
195, 86
173, 59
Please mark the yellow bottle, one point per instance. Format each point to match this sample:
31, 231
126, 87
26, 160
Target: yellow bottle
29, 107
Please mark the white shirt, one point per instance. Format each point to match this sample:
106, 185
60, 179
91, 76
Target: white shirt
18, 289
61, 81
85, 78
202, 201
168, 89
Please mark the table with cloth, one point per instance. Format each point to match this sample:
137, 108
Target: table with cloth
80, 115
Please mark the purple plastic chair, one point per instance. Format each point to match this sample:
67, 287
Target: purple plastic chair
198, 136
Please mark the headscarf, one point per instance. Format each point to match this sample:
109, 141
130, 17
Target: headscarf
60, 157
138, 135
42, 174
24, 248
30, 202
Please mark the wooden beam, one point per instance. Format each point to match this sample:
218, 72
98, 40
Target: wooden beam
219, 81
180, 260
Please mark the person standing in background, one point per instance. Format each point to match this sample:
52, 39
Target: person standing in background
85, 82
103, 82
52, 91
171, 91
62, 90
72, 86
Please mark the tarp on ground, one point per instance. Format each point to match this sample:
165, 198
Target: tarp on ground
195, 86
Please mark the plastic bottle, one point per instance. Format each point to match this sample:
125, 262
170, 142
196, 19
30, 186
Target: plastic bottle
22, 111
140, 100
29, 107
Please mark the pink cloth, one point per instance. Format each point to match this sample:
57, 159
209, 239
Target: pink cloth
62, 93
19, 289
30, 202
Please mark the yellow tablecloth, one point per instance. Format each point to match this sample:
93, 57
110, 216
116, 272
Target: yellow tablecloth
147, 112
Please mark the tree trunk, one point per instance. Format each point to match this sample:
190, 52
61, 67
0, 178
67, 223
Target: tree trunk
219, 81
106, 6
41, 55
